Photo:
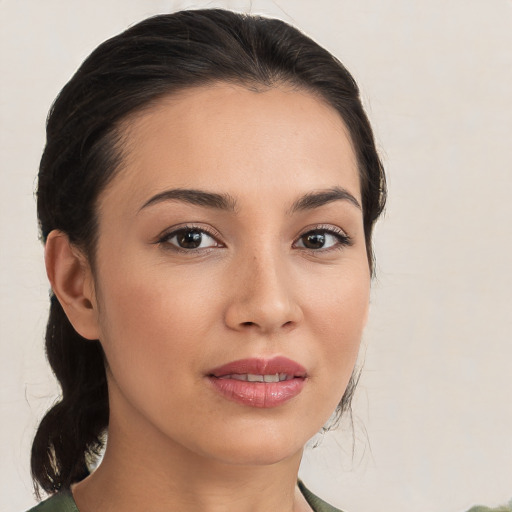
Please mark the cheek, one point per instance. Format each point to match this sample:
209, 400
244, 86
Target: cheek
338, 314
338, 304
154, 339
148, 319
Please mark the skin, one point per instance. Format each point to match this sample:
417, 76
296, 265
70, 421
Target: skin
166, 317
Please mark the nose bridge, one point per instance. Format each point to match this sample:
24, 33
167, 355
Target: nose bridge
263, 295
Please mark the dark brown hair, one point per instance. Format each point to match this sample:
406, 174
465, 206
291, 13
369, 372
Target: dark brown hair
158, 56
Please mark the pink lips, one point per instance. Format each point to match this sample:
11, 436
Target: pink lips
262, 383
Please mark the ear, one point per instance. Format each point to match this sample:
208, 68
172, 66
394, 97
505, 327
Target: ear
72, 282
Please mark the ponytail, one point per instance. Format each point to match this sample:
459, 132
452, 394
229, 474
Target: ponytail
73, 427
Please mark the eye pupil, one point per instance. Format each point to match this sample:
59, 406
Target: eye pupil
314, 240
190, 239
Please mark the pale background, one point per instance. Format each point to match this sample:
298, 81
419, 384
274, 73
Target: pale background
433, 414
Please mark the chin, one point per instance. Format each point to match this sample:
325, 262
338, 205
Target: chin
263, 454
256, 448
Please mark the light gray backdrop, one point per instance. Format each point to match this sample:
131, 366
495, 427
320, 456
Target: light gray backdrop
433, 415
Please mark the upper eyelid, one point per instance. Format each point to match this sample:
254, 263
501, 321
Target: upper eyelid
329, 228
168, 233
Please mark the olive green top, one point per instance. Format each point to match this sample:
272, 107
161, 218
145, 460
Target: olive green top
503, 508
64, 502
60, 502
317, 504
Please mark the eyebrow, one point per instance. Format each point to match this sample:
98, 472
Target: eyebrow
227, 203
197, 197
322, 197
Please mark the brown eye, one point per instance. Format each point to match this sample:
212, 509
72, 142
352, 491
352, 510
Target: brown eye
313, 240
319, 239
190, 238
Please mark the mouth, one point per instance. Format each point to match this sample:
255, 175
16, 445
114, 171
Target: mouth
260, 383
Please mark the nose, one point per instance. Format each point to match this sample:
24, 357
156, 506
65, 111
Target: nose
262, 296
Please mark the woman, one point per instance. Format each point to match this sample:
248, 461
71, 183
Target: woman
206, 197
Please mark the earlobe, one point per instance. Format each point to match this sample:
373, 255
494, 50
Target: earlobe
72, 282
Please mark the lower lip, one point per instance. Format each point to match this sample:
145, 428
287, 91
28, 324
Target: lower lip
263, 395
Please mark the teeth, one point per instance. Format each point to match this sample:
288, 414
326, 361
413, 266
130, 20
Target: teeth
236, 376
251, 377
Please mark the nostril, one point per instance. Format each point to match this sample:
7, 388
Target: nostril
248, 324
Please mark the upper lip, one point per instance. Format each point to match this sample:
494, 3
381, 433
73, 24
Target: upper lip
260, 366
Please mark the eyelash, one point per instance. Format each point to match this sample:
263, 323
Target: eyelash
164, 240
343, 240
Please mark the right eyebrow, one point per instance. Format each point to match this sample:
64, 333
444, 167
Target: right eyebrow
194, 196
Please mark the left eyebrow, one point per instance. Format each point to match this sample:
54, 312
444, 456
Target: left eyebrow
316, 199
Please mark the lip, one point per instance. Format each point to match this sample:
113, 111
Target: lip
259, 394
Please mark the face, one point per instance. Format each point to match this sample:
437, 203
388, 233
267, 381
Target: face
232, 281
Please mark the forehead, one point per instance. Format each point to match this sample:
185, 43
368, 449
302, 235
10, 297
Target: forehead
236, 140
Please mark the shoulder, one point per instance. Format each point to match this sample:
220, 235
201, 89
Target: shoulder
316, 503
60, 502
504, 508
